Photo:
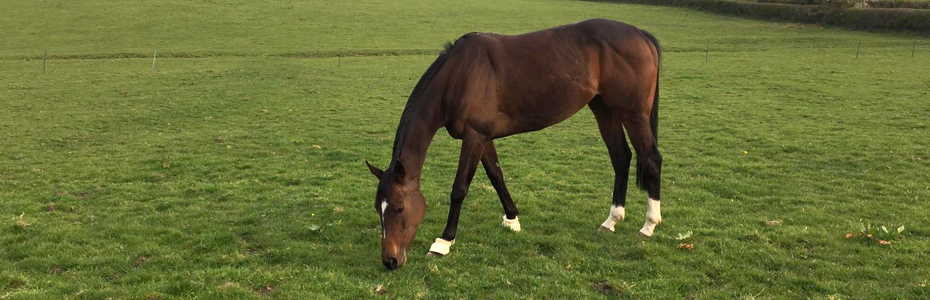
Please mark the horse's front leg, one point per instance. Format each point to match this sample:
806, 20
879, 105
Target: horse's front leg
473, 145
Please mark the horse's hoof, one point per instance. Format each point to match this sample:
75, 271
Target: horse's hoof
512, 224
441, 247
617, 214
647, 230
653, 217
433, 254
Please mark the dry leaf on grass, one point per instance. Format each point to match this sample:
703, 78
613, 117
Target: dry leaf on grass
226, 285
380, 290
772, 223
21, 222
266, 289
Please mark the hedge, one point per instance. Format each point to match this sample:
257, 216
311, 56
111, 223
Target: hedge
855, 18
856, 3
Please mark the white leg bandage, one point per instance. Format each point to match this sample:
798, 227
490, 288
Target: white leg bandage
512, 224
653, 217
441, 246
617, 214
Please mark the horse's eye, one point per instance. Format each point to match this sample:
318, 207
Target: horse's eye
400, 210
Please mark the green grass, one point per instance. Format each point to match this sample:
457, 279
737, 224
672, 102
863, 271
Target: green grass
207, 177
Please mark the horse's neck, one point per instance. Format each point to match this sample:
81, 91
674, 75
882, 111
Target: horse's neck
414, 135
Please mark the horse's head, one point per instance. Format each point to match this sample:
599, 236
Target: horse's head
401, 207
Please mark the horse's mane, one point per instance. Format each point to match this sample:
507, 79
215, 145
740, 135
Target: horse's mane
415, 97
427, 77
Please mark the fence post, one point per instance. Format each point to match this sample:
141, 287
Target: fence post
809, 50
858, 48
914, 49
706, 52
45, 58
339, 65
154, 55
759, 52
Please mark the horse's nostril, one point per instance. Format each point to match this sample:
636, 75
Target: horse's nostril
391, 264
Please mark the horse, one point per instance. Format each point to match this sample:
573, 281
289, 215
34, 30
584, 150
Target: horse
486, 86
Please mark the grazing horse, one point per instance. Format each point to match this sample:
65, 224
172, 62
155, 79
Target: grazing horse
487, 86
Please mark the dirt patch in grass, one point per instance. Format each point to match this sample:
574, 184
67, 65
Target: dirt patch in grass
604, 287
140, 261
80, 195
16, 284
266, 289
154, 297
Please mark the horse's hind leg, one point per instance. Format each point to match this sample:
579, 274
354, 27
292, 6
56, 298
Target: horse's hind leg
496, 175
610, 124
648, 166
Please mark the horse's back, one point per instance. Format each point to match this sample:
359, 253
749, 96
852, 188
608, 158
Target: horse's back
531, 81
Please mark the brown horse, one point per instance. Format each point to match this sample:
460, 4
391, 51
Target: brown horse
487, 86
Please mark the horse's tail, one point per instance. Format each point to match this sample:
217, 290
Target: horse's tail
648, 165
654, 117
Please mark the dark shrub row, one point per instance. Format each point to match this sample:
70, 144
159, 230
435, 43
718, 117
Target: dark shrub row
890, 19
855, 3
854, 18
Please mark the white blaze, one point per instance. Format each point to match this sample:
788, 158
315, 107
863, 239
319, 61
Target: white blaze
653, 217
617, 214
383, 209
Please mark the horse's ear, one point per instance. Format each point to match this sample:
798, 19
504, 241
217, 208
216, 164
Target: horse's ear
399, 172
374, 170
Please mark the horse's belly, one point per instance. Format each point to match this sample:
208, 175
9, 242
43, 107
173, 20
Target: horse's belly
537, 114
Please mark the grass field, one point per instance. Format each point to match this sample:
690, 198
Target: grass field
235, 169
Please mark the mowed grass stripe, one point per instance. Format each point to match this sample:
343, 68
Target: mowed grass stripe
169, 54
891, 48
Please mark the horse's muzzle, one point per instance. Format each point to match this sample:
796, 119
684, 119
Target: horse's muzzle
390, 263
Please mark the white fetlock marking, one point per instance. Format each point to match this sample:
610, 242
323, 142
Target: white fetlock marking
441, 246
617, 214
512, 224
653, 217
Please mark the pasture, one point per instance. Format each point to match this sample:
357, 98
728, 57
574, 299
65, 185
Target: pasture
235, 169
